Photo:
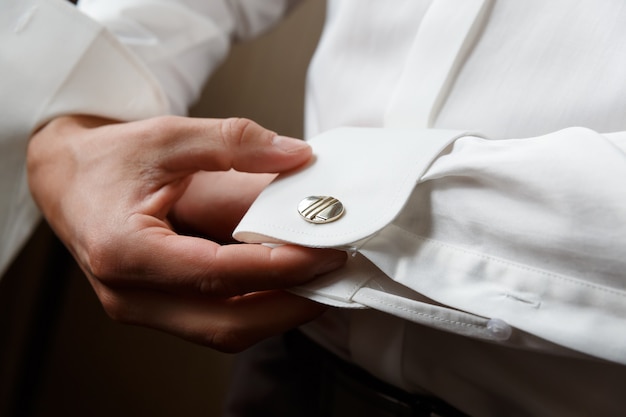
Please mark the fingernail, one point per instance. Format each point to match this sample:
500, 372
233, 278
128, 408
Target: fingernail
288, 144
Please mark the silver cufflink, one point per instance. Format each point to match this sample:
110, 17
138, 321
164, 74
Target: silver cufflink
320, 209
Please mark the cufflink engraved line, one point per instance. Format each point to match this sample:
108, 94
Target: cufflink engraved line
317, 207
320, 209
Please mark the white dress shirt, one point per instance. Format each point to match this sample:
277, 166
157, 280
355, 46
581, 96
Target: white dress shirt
496, 279
51, 64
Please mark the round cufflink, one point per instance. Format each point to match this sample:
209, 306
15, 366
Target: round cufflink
320, 209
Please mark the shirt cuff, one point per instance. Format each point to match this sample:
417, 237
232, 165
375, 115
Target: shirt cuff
88, 73
370, 171
404, 265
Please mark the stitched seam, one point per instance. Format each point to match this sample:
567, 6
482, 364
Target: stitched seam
360, 285
349, 293
420, 314
518, 266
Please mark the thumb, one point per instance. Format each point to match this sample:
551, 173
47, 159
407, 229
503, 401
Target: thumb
240, 144
256, 149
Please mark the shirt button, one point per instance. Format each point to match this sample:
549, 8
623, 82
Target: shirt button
320, 209
499, 329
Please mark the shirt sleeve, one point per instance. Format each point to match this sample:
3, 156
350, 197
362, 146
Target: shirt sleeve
57, 61
531, 231
183, 41
517, 241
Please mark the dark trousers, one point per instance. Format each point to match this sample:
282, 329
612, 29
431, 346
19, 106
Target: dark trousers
290, 375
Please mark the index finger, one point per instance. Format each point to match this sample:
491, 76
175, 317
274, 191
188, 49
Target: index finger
160, 259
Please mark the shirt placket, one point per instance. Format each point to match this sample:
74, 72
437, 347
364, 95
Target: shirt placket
445, 37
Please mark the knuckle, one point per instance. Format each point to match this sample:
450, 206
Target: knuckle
235, 126
215, 286
236, 131
207, 286
103, 261
114, 307
160, 127
163, 123
228, 339
100, 266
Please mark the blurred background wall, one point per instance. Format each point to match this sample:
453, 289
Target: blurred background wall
60, 355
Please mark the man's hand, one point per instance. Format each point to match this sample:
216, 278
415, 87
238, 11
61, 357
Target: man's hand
108, 190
